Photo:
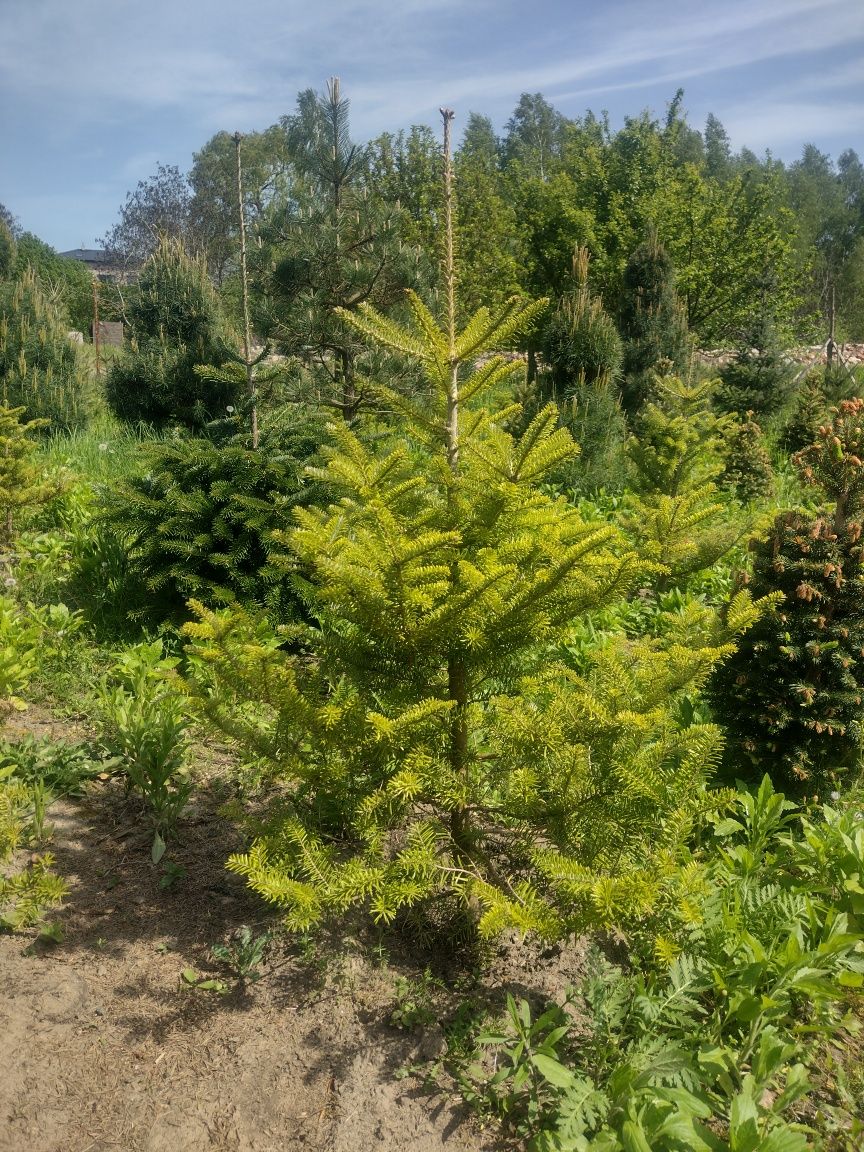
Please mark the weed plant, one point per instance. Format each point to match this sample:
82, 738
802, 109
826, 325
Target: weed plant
62, 767
243, 953
145, 725
709, 1041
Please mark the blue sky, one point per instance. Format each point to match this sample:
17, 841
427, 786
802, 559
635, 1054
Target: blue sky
94, 93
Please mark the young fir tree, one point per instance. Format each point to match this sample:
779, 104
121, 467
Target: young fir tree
26, 894
673, 514
200, 522
759, 378
809, 414
748, 470
429, 742
791, 697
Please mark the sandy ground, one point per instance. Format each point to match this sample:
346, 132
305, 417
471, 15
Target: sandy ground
103, 1046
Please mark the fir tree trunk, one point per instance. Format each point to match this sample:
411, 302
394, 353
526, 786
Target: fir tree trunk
349, 402
457, 689
457, 671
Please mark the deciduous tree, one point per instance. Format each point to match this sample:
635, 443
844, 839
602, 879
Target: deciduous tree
158, 206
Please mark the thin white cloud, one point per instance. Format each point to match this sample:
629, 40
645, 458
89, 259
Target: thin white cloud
778, 123
205, 56
151, 82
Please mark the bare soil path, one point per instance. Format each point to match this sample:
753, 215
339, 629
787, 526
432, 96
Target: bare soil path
103, 1047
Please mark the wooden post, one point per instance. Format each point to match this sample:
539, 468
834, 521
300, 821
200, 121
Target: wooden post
96, 333
247, 328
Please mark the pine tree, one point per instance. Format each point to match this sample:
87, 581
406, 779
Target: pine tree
432, 745
334, 246
580, 340
39, 367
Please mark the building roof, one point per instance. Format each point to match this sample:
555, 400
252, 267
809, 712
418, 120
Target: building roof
88, 255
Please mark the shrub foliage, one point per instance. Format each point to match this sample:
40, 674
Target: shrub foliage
791, 696
174, 324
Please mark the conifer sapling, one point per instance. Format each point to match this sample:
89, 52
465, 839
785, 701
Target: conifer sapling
429, 741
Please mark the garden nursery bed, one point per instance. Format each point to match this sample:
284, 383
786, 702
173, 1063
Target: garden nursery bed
107, 1044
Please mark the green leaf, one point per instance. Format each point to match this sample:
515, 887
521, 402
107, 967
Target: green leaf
744, 1121
553, 1071
727, 827
784, 1140
212, 986
158, 849
633, 1137
492, 1038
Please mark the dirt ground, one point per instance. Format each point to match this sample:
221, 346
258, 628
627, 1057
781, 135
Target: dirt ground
103, 1046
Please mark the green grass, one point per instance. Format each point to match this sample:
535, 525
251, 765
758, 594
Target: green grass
106, 451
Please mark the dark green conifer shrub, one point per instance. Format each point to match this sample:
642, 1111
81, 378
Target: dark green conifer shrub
809, 413
580, 340
748, 468
791, 697
592, 413
582, 353
199, 523
174, 325
651, 321
760, 378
